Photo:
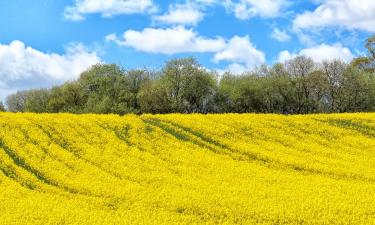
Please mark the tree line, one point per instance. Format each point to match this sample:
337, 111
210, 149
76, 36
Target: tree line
298, 86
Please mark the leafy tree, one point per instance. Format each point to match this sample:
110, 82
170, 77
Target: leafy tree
299, 70
198, 94
153, 98
227, 93
69, 97
319, 87
136, 79
174, 80
367, 63
282, 90
104, 87
298, 86
17, 102
357, 94
189, 87
37, 101
2, 107
334, 75
241, 93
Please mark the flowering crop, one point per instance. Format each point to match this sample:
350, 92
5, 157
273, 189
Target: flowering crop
187, 169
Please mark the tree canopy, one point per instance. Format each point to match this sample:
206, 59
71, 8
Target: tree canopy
299, 85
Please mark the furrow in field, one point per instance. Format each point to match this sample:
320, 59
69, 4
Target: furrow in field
10, 170
78, 159
188, 134
22, 163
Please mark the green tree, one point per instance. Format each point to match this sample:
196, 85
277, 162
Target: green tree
319, 86
2, 107
135, 80
357, 91
299, 70
153, 98
334, 72
189, 87
241, 94
281, 90
17, 102
37, 101
174, 80
198, 94
69, 97
367, 63
227, 93
105, 88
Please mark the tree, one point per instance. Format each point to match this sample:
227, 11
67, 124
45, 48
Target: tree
37, 101
153, 98
17, 102
299, 69
174, 78
2, 107
105, 88
367, 63
241, 94
319, 87
370, 45
334, 75
198, 94
357, 91
183, 86
282, 90
189, 87
70, 97
136, 79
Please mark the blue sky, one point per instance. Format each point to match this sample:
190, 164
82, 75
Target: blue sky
47, 42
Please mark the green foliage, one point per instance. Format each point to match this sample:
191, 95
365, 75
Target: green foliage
184, 86
367, 63
2, 107
69, 97
37, 100
153, 98
17, 101
103, 87
189, 87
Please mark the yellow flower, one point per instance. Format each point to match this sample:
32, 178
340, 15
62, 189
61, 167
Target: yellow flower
187, 169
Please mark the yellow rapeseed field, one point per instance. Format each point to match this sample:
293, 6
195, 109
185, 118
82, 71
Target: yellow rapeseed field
187, 169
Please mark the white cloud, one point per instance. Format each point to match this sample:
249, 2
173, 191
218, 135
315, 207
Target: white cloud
245, 9
320, 53
168, 41
348, 14
285, 56
280, 35
107, 8
24, 67
241, 53
186, 14
236, 68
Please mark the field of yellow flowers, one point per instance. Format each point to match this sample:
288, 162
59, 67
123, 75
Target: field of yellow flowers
187, 169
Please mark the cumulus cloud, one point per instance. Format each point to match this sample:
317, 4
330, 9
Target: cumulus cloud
181, 14
245, 9
241, 53
107, 8
24, 67
280, 35
348, 14
320, 53
168, 41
